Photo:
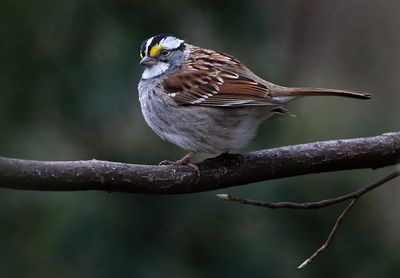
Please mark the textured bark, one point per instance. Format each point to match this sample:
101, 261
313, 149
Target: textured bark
224, 171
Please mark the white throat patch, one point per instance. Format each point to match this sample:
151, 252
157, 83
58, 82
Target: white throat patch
153, 71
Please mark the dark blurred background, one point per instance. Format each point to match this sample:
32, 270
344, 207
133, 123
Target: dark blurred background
68, 91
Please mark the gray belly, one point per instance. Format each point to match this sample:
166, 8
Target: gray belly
199, 128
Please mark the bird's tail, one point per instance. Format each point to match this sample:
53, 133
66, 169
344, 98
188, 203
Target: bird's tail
304, 91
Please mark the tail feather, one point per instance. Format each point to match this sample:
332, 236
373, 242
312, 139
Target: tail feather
304, 91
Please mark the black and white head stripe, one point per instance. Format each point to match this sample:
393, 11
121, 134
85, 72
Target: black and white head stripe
160, 41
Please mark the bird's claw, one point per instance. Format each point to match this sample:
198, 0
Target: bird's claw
182, 163
167, 162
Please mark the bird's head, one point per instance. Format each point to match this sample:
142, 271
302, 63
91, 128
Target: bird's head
161, 53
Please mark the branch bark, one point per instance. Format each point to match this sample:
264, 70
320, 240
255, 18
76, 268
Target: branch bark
224, 171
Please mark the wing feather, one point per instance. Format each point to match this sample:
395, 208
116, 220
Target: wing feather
214, 79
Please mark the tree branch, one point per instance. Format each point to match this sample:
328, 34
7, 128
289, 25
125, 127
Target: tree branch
222, 172
311, 205
317, 205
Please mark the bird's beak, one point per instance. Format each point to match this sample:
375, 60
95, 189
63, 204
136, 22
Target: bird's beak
148, 61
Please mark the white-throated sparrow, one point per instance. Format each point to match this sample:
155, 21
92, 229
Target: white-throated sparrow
206, 101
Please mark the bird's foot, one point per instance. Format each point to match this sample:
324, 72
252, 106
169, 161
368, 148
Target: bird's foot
184, 161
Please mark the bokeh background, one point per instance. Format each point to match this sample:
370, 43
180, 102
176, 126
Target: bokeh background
68, 91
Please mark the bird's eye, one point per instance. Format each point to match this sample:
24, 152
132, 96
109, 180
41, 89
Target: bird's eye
164, 51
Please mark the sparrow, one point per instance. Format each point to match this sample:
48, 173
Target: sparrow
207, 101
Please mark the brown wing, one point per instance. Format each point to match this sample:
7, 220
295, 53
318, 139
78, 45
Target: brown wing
210, 78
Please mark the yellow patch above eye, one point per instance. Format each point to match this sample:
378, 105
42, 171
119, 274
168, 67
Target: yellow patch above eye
141, 55
155, 50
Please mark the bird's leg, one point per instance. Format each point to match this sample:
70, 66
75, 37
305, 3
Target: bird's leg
184, 161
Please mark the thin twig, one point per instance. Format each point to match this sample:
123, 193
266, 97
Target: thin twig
311, 205
331, 234
316, 205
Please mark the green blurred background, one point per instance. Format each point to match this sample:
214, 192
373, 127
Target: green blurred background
68, 91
